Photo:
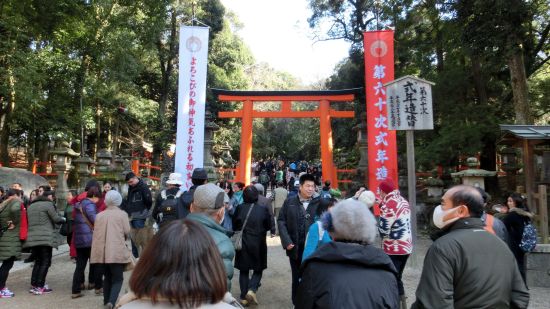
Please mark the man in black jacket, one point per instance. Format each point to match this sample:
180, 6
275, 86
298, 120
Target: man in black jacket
468, 267
294, 220
137, 204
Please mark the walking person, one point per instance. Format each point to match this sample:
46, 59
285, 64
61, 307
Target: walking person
395, 228
227, 222
468, 267
169, 203
297, 214
41, 238
278, 196
68, 214
10, 243
254, 221
111, 230
516, 219
349, 272
137, 204
84, 214
208, 209
165, 278
317, 235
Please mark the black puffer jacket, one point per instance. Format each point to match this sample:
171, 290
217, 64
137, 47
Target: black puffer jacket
348, 275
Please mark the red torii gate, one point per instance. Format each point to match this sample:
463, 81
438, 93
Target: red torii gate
323, 112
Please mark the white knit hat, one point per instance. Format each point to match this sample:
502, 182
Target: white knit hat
368, 198
113, 198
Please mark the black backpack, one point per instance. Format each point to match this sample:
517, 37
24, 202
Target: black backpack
169, 207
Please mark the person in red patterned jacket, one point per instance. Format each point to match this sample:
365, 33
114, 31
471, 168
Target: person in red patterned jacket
395, 229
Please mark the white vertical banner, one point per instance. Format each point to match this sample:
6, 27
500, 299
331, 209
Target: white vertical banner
193, 57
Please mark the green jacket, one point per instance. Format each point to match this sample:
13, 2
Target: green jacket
220, 236
469, 267
10, 245
42, 218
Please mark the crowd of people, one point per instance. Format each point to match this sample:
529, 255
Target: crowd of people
341, 255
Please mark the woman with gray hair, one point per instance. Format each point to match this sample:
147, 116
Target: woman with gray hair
348, 272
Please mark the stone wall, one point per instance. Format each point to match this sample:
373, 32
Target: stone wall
28, 180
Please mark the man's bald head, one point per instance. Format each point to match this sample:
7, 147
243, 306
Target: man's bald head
468, 196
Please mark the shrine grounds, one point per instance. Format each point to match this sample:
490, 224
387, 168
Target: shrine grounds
274, 292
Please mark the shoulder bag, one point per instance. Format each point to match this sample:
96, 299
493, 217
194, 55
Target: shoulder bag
237, 238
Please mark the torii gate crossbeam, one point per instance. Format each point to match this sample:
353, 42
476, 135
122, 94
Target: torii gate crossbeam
323, 112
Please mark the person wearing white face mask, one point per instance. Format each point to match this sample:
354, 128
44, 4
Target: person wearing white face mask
468, 267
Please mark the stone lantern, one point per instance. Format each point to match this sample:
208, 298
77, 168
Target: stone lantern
119, 163
473, 176
83, 168
209, 128
510, 166
64, 156
104, 160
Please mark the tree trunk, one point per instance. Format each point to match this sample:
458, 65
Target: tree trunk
479, 81
520, 90
5, 117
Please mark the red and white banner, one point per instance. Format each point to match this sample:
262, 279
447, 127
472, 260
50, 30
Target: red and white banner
193, 57
382, 149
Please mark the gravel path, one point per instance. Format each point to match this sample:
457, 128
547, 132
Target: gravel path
274, 292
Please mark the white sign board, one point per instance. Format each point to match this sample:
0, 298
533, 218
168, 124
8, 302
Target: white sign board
409, 104
193, 57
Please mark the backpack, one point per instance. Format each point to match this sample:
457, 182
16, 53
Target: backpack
528, 238
168, 208
325, 194
264, 178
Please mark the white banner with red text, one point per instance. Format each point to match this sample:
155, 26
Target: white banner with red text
193, 57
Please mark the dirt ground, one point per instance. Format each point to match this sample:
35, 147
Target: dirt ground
274, 292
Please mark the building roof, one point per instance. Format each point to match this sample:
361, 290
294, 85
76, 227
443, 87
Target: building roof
514, 133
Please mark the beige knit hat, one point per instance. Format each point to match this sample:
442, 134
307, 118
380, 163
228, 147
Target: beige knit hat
208, 196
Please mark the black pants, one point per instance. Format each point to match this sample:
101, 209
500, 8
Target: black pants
247, 283
399, 261
113, 282
94, 276
42, 263
295, 268
5, 271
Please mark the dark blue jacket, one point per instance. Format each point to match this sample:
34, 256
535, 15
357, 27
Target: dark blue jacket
82, 233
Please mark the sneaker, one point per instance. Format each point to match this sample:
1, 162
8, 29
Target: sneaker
6, 293
76, 295
251, 297
31, 290
244, 302
44, 290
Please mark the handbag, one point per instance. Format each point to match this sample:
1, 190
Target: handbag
131, 264
237, 238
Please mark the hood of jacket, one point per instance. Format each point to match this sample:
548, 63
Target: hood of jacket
208, 222
41, 198
346, 253
522, 212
